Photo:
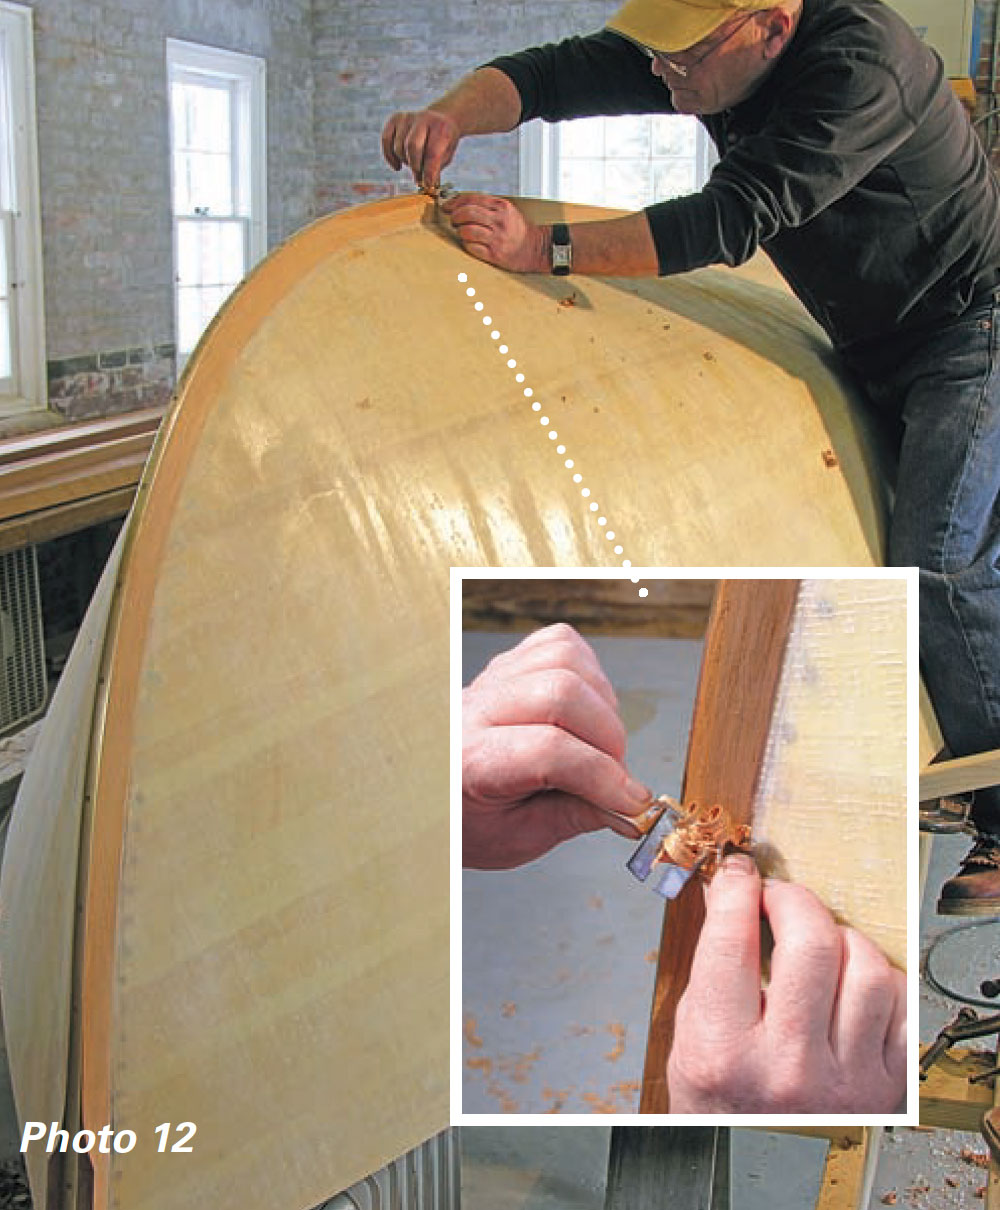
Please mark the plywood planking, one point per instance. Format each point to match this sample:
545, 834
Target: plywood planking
264, 927
808, 741
830, 809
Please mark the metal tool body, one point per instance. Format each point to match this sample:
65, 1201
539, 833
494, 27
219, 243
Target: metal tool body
647, 863
439, 193
682, 840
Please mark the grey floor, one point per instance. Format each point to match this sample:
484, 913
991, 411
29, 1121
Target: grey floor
564, 1168
557, 957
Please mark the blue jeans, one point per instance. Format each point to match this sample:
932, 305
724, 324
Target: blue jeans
941, 392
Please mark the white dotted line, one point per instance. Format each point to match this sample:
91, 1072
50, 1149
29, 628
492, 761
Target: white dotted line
553, 434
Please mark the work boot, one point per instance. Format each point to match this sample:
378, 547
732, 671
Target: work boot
975, 889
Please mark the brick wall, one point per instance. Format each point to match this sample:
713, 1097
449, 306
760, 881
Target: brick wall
104, 169
336, 69
372, 59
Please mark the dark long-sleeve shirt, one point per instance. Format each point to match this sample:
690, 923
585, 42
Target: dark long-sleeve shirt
852, 165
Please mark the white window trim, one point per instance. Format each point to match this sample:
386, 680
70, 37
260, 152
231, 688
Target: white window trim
28, 305
193, 58
538, 159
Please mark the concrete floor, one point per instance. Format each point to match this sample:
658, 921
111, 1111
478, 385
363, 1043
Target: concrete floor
565, 1168
557, 957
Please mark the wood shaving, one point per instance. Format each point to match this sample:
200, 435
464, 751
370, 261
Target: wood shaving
505, 1100
701, 836
558, 1098
981, 1159
518, 1067
830, 459
508, 1008
890, 1198
617, 1031
469, 1029
628, 1089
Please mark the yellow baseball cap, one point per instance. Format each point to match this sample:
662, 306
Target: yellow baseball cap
672, 25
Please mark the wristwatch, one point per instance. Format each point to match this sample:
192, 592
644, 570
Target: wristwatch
562, 250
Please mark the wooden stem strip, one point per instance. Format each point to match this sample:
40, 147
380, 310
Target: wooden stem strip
740, 672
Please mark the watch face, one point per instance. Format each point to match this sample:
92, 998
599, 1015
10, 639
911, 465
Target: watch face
560, 256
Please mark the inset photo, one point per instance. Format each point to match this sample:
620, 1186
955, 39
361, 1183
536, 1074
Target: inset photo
683, 860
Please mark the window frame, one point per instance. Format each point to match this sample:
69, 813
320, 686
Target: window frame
246, 76
538, 157
28, 381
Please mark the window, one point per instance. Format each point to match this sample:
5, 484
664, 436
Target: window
22, 343
217, 178
626, 162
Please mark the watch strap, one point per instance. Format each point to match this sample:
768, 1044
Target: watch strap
562, 250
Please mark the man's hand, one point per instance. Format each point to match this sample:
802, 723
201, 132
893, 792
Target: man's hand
543, 751
425, 141
828, 1035
494, 230
483, 102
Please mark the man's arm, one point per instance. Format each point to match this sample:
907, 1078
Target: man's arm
425, 140
494, 230
602, 73
827, 1035
543, 752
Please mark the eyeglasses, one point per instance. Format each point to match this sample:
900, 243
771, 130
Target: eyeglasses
683, 69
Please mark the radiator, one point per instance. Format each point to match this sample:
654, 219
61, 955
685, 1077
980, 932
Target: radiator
426, 1178
22, 649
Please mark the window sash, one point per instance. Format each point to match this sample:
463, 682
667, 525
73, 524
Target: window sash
219, 227
213, 256
22, 325
547, 170
9, 378
228, 153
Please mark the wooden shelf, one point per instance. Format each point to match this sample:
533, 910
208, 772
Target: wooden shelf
61, 480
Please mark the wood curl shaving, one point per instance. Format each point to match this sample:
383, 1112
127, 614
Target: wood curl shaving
701, 836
